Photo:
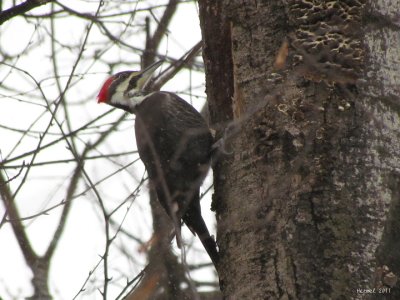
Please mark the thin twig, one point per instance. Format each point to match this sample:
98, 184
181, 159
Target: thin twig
62, 138
130, 282
65, 161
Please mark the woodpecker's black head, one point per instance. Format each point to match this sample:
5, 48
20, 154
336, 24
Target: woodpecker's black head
127, 89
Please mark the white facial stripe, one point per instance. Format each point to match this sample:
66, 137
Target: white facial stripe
137, 99
129, 100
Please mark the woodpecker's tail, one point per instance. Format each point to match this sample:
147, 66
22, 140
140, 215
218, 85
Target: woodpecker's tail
196, 224
210, 245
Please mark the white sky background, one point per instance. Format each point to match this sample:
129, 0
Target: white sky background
83, 240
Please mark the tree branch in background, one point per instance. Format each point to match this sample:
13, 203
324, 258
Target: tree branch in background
177, 66
153, 42
38, 265
16, 224
21, 9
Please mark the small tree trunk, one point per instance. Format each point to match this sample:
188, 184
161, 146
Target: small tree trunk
165, 276
40, 271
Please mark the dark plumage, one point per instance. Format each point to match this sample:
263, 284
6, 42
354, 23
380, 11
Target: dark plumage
174, 143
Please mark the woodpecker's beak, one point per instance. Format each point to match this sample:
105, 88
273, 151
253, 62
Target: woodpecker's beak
146, 74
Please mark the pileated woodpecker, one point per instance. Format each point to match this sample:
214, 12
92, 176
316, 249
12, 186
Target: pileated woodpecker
174, 143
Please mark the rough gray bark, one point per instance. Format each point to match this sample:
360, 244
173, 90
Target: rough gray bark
382, 42
311, 191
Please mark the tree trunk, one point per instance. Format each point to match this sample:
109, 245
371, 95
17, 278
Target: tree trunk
311, 191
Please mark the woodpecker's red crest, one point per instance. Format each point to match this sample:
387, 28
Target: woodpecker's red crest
104, 92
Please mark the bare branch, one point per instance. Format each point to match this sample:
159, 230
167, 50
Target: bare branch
66, 209
20, 167
153, 42
17, 226
58, 140
177, 66
21, 9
